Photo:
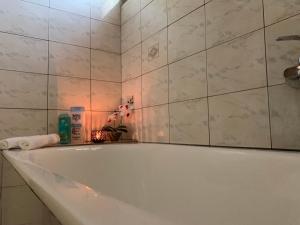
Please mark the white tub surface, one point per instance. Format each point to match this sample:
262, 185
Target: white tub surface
153, 184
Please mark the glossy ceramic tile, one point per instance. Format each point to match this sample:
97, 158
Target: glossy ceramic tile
240, 119
69, 28
68, 60
23, 54
108, 11
53, 120
186, 36
285, 114
80, 7
189, 122
10, 176
131, 33
39, 2
30, 90
24, 19
153, 18
237, 65
133, 88
105, 36
227, 19
132, 63
99, 119
106, 66
106, 96
155, 87
284, 54
155, 52
65, 92
276, 10
129, 9
187, 78
144, 3
22, 122
179, 8
134, 126
156, 124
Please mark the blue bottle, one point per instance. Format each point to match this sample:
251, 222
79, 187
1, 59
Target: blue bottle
64, 128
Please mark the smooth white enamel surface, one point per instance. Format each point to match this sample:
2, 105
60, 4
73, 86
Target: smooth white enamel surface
154, 184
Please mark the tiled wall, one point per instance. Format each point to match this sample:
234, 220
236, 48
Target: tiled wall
56, 54
211, 72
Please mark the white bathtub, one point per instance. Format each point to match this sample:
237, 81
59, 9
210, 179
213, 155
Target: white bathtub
152, 184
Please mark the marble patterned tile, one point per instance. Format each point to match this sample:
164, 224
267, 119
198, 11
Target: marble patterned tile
69, 28
109, 11
189, 122
285, 117
129, 9
227, 19
24, 19
132, 63
80, 7
155, 52
23, 54
277, 10
106, 36
282, 54
65, 92
153, 18
155, 87
22, 122
106, 66
240, 119
30, 90
133, 88
144, 3
39, 2
179, 8
156, 124
134, 126
106, 96
68, 60
10, 176
237, 65
131, 33
187, 78
186, 36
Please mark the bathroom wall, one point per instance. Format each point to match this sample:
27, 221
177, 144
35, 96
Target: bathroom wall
56, 54
211, 72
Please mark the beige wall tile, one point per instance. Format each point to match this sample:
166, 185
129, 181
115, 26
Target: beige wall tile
186, 36
237, 65
156, 124
105, 36
227, 19
131, 33
80, 7
240, 119
69, 28
187, 78
153, 18
23, 54
179, 8
276, 10
154, 52
134, 126
99, 119
108, 11
284, 54
129, 9
65, 92
285, 114
132, 63
106, 66
22, 122
30, 90
24, 18
69, 60
189, 122
10, 176
155, 87
133, 88
106, 96
144, 3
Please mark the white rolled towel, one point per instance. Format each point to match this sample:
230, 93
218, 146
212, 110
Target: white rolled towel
39, 141
10, 143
